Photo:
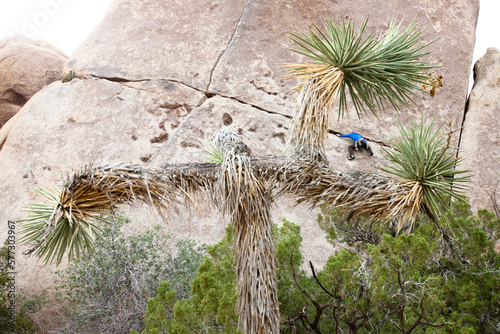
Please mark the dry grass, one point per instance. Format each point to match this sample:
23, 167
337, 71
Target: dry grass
50, 316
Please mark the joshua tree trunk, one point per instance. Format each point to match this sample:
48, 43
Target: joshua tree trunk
257, 285
244, 196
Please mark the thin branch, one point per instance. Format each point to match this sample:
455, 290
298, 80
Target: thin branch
304, 292
317, 280
401, 307
319, 308
437, 325
421, 314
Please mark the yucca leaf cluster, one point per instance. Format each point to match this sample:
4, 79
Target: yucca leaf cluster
423, 158
214, 155
72, 231
377, 72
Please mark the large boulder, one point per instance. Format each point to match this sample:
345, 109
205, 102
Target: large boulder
26, 66
157, 78
237, 49
480, 143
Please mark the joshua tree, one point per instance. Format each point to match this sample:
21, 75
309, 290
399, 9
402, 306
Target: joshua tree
375, 72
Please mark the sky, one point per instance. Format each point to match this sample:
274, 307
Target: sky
64, 23
67, 23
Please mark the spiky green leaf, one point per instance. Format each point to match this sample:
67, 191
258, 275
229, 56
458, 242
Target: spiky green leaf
422, 155
379, 72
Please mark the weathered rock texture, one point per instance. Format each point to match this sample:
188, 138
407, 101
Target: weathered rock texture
158, 78
26, 66
480, 141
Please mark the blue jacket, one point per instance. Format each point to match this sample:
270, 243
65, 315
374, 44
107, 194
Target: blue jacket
353, 135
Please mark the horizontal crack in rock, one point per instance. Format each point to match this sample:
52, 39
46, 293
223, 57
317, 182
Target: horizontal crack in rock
208, 94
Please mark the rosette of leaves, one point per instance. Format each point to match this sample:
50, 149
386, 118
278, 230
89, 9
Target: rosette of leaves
51, 231
422, 158
214, 155
376, 72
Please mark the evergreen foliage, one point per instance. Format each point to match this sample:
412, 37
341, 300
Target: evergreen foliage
384, 282
108, 291
212, 308
376, 72
418, 282
75, 233
422, 157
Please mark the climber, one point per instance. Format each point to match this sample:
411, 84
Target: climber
359, 142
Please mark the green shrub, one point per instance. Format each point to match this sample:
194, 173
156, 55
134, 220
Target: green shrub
419, 280
387, 282
212, 305
212, 308
108, 291
411, 282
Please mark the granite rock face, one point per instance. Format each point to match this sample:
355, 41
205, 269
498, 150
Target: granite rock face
480, 143
237, 49
157, 78
26, 66
172, 40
